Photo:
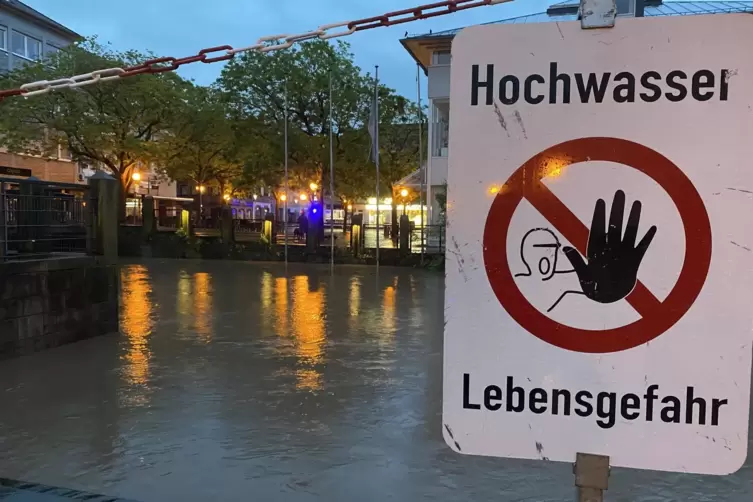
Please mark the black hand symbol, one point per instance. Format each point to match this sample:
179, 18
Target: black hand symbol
613, 260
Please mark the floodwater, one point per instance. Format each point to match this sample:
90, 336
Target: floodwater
239, 381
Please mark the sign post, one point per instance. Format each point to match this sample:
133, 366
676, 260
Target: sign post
597, 305
592, 471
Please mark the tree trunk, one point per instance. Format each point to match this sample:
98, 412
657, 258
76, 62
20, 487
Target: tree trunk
122, 203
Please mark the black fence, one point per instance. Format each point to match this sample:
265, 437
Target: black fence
41, 219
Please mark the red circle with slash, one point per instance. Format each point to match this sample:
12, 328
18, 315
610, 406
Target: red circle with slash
656, 316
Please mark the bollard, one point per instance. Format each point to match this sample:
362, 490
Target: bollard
227, 226
267, 230
185, 222
591, 476
404, 235
148, 225
314, 235
105, 195
356, 235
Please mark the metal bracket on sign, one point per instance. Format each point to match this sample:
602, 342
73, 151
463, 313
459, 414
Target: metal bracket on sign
591, 476
597, 14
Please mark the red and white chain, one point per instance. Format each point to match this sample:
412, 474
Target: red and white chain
264, 44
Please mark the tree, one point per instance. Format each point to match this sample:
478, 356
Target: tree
254, 85
398, 145
201, 143
112, 124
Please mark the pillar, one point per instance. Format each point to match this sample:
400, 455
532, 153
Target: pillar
105, 198
29, 215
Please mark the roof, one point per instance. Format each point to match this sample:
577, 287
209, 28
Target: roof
568, 11
413, 180
37, 16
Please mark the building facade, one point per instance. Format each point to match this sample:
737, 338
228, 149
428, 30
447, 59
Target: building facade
433, 52
27, 35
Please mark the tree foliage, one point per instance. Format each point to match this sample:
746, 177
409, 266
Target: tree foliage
267, 86
229, 134
112, 124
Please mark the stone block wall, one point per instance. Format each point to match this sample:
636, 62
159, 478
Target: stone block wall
45, 304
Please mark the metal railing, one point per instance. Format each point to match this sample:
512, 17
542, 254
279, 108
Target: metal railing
40, 219
433, 239
386, 240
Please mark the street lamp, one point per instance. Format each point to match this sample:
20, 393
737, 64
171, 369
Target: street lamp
201, 189
314, 187
226, 197
136, 176
404, 195
303, 196
283, 197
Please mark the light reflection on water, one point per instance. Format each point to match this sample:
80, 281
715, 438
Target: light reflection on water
202, 307
136, 325
308, 330
236, 378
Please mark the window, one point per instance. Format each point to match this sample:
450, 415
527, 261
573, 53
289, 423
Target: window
64, 153
441, 58
3, 38
626, 7
25, 46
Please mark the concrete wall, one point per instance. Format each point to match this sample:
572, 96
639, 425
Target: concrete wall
45, 304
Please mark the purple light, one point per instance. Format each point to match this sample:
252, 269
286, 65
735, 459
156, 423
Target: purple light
314, 210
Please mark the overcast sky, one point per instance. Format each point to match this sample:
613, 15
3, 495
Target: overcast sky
182, 27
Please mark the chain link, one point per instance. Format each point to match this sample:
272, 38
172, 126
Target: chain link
263, 45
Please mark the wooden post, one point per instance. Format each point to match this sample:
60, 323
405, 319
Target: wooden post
591, 476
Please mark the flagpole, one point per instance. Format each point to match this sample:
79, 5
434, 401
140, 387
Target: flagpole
331, 182
421, 172
285, 216
376, 155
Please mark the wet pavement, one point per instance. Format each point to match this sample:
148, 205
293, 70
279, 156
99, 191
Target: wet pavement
241, 381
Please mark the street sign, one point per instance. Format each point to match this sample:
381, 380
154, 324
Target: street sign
15, 171
599, 286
